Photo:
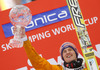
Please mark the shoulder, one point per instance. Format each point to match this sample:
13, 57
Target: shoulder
57, 67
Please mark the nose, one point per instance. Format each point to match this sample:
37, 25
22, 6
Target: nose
67, 51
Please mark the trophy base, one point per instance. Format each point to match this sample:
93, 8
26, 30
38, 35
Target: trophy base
16, 43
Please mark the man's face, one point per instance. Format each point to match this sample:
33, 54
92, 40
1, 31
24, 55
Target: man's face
69, 55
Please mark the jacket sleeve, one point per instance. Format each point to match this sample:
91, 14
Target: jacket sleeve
85, 69
37, 61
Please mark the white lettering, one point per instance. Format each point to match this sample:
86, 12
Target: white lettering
68, 27
76, 13
73, 3
8, 47
56, 31
97, 53
4, 48
72, 26
31, 24
31, 38
95, 19
63, 29
39, 36
91, 21
45, 18
38, 20
51, 15
62, 13
12, 29
47, 34
86, 23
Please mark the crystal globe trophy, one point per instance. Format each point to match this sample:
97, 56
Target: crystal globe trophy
20, 16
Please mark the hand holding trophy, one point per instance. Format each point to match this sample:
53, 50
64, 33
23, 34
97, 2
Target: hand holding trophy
20, 16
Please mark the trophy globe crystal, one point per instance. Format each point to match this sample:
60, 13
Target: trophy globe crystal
20, 16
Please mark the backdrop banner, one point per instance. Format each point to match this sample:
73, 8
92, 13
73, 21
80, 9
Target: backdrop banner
51, 26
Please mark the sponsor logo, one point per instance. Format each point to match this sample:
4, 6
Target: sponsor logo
76, 13
41, 20
89, 54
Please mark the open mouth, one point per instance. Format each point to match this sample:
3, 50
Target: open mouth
68, 56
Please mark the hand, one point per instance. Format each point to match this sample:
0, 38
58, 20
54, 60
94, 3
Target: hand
21, 31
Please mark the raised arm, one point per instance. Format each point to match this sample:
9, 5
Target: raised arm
37, 61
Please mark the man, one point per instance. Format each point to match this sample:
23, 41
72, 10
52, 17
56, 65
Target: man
68, 51
69, 55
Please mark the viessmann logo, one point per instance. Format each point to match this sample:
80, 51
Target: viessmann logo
41, 20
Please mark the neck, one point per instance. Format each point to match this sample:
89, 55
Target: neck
74, 64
